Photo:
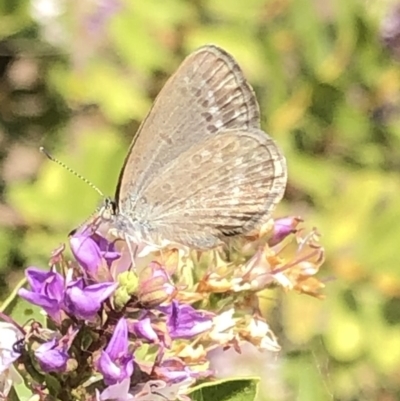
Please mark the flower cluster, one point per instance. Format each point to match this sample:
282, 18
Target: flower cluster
142, 328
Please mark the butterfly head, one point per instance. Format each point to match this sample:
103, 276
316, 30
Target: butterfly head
111, 222
103, 216
107, 210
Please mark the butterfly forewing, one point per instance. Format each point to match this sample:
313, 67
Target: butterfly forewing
207, 93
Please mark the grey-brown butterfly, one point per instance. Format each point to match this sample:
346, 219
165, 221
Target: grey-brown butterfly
200, 169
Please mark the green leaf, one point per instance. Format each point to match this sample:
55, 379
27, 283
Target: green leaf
21, 392
13, 396
227, 389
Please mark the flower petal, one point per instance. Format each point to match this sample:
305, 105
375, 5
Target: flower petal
86, 252
186, 322
9, 336
118, 344
85, 302
51, 357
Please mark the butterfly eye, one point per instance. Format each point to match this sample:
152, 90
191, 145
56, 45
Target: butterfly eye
113, 207
108, 210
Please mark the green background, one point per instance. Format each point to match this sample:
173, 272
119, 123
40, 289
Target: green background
79, 77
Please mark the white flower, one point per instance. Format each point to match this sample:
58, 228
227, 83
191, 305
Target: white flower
224, 324
261, 332
119, 392
158, 390
9, 336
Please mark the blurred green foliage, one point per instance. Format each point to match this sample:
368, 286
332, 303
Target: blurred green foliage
329, 94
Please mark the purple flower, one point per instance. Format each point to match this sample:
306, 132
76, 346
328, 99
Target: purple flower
92, 252
143, 329
161, 390
185, 322
86, 252
47, 291
107, 250
53, 356
118, 392
85, 301
282, 228
116, 362
174, 370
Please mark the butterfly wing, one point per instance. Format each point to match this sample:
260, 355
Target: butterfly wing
208, 93
224, 186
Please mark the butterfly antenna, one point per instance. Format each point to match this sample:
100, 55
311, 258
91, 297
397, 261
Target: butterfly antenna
60, 163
